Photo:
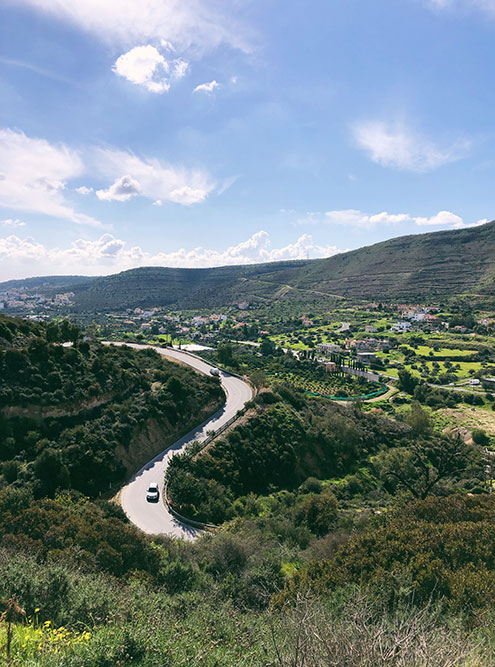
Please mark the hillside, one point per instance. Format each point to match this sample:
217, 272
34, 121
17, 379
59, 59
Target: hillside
43, 283
435, 265
439, 264
184, 288
419, 267
313, 498
88, 415
285, 438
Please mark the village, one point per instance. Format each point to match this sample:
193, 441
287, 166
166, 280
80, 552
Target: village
447, 346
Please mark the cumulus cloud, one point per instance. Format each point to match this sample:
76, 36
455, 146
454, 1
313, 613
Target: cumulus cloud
198, 24
123, 189
398, 146
151, 178
33, 176
441, 218
448, 219
206, 87
12, 223
147, 67
144, 65
356, 218
83, 190
108, 254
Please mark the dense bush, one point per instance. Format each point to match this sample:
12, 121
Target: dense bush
64, 411
284, 441
437, 548
92, 536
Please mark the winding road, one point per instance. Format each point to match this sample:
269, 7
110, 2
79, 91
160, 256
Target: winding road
154, 518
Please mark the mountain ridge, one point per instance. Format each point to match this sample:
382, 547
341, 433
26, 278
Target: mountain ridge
434, 265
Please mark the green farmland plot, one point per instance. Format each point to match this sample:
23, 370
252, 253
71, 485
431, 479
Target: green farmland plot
452, 353
332, 385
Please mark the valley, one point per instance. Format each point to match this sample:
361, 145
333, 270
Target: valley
247, 333
332, 424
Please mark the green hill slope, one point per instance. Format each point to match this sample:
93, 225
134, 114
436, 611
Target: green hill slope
44, 283
441, 264
184, 288
437, 265
85, 416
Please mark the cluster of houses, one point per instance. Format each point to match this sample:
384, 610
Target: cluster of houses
361, 345
419, 320
418, 316
368, 345
21, 299
154, 319
365, 348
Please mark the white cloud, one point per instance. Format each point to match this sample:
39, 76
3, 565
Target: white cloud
168, 46
23, 257
33, 176
198, 24
355, 218
123, 189
151, 178
179, 68
398, 146
12, 223
441, 218
146, 66
446, 218
206, 87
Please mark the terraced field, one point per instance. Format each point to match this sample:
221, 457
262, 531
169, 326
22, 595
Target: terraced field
332, 385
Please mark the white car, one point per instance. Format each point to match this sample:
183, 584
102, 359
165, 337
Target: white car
153, 493
214, 371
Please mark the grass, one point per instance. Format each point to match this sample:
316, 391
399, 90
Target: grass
468, 417
347, 629
464, 371
426, 350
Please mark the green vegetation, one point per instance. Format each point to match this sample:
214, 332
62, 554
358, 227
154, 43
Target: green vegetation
276, 366
428, 266
354, 534
343, 386
286, 438
97, 620
83, 417
432, 549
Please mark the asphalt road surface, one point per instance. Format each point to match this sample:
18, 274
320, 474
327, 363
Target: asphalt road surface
154, 518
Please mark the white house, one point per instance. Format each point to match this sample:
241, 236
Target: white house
328, 348
401, 326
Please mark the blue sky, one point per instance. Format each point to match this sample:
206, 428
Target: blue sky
190, 133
